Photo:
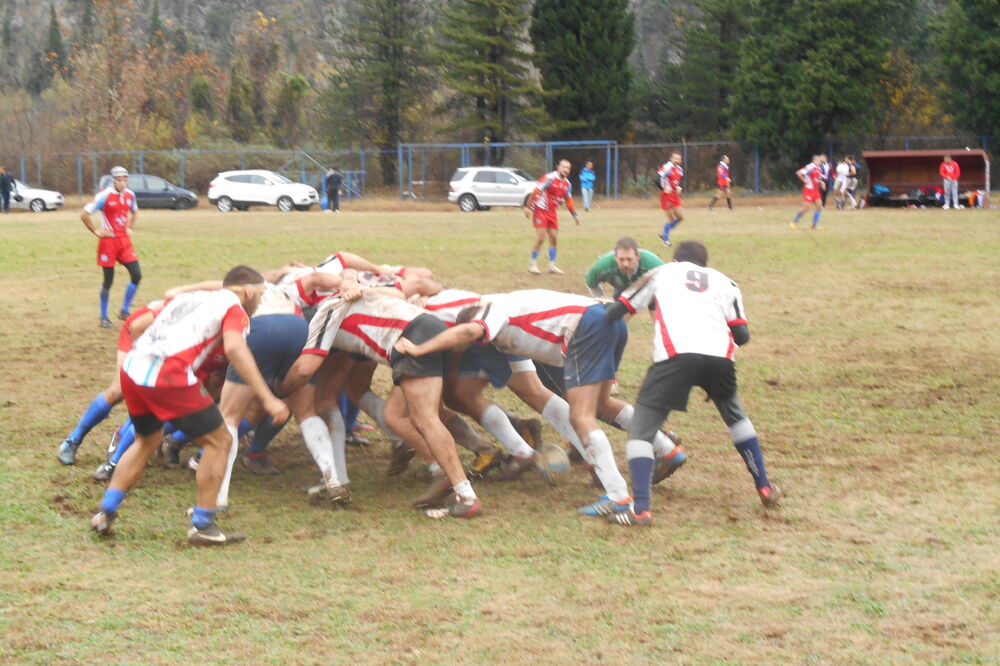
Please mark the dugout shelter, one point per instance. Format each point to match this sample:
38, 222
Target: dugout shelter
911, 176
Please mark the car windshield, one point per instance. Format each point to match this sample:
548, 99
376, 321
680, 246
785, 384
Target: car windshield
278, 178
520, 174
18, 184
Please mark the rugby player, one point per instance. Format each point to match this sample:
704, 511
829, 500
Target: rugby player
551, 190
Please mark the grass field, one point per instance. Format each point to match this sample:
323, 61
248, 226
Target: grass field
872, 377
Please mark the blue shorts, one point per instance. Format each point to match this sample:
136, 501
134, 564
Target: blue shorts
488, 362
275, 341
595, 350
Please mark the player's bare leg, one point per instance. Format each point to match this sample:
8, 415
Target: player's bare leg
553, 234
583, 404
535, 249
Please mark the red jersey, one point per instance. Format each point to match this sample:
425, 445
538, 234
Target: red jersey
670, 176
553, 189
115, 207
949, 170
722, 173
813, 175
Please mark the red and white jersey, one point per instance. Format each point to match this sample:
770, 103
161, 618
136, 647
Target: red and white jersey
333, 264
670, 176
722, 171
536, 323
291, 285
276, 301
115, 207
182, 336
695, 308
447, 303
813, 175
370, 326
369, 279
553, 189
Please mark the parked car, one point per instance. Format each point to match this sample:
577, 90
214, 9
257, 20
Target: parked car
258, 187
479, 188
154, 192
26, 197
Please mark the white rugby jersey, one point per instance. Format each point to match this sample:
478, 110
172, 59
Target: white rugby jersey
447, 303
537, 323
695, 308
182, 336
370, 325
275, 301
333, 264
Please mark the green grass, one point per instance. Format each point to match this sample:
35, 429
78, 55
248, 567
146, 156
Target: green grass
871, 376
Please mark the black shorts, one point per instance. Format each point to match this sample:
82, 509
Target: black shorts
668, 383
193, 425
421, 329
275, 342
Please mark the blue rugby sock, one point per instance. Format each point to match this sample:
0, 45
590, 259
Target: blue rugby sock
244, 427
96, 412
202, 518
130, 290
754, 459
666, 230
798, 216
105, 293
112, 499
266, 431
552, 254
127, 434
816, 218
640, 464
534, 255
349, 411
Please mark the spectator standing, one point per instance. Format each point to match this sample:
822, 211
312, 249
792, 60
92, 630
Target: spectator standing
587, 178
7, 186
950, 173
334, 180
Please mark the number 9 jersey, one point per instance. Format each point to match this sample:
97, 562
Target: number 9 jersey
695, 309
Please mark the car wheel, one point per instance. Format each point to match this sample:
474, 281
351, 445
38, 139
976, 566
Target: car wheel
182, 204
285, 204
37, 205
224, 204
467, 203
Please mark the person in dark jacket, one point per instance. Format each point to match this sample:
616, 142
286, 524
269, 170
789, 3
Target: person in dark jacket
7, 186
334, 180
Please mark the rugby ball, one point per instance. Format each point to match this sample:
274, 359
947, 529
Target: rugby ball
554, 458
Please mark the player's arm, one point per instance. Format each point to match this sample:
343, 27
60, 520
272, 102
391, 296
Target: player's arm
241, 358
571, 207
358, 263
593, 278
139, 325
95, 205
530, 206
456, 336
637, 296
207, 285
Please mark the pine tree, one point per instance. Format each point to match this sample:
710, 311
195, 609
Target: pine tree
582, 50
239, 106
375, 97
808, 70
85, 30
288, 123
52, 60
968, 54
155, 30
689, 98
486, 66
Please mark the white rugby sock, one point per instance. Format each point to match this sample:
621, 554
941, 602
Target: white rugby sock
605, 465
465, 492
495, 422
556, 412
373, 406
662, 444
338, 438
317, 438
222, 499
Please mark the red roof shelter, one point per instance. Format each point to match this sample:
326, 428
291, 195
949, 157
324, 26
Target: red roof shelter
903, 171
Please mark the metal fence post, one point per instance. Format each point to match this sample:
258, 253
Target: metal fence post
364, 172
399, 167
38, 169
21, 164
79, 175
243, 160
617, 168
181, 174
93, 169
756, 168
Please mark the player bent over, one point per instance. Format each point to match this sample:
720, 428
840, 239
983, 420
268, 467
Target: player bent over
699, 322
159, 384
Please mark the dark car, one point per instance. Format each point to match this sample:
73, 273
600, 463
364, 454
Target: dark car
154, 192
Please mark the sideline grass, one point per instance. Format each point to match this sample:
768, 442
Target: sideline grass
871, 376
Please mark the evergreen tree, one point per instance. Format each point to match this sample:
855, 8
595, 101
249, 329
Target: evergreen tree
810, 69
50, 61
689, 98
582, 50
968, 53
375, 97
486, 66
7, 35
239, 106
288, 123
155, 30
201, 96
85, 29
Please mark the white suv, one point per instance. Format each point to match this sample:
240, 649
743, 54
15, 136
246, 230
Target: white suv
30, 198
258, 187
479, 188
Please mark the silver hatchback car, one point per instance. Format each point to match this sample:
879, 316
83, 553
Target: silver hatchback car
479, 188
